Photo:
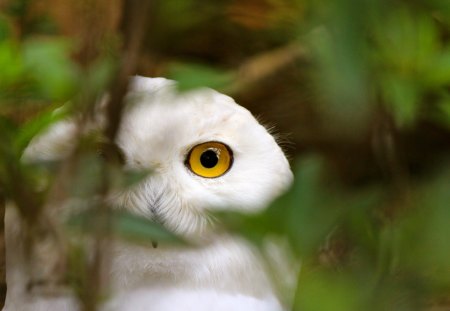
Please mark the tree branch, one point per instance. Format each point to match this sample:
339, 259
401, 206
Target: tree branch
133, 37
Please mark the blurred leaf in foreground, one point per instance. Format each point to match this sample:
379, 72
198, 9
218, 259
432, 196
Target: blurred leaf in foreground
38, 124
134, 228
325, 291
12, 67
306, 214
191, 76
50, 67
425, 231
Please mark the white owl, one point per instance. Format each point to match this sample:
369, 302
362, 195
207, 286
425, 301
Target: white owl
206, 153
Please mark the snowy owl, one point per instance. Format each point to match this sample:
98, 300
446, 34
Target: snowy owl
206, 153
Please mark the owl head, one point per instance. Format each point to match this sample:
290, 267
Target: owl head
205, 152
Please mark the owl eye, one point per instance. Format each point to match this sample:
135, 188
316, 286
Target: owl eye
210, 159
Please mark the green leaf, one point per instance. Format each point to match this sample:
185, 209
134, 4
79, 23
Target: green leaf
140, 229
98, 76
38, 124
439, 71
325, 290
341, 80
11, 65
402, 97
305, 214
121, 178
48, 62
425, 230
126, 225
191, 76
314, 209
88, 176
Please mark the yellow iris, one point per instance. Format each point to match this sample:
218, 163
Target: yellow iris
210, 159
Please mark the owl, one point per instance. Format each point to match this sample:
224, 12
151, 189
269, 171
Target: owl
206, 153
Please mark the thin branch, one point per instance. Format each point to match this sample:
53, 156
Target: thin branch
133, 37
263, 65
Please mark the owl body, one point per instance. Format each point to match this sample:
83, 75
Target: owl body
161, 131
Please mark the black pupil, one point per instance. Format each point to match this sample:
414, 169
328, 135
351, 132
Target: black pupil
209, 159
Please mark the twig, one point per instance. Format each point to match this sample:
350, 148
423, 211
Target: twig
264, 65
133, 40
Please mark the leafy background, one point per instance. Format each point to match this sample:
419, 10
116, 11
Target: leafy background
359, 91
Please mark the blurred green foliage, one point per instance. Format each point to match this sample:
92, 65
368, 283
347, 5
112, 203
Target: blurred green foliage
28, 68
191, 76
396, 263
382, 244
126, 225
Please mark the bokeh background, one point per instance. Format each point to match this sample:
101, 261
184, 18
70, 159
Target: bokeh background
358, 92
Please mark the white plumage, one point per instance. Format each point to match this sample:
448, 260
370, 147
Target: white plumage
159, 130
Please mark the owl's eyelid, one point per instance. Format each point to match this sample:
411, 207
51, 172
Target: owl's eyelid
189, 148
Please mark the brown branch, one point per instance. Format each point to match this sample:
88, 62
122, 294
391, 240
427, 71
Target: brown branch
40, 219
133, 37
263, 65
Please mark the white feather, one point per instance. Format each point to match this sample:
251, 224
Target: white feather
158, 129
